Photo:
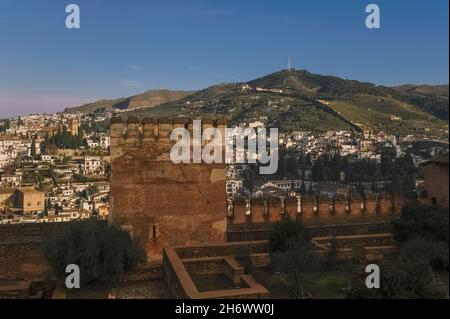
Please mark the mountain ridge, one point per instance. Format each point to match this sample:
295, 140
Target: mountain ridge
301, 100
148, 98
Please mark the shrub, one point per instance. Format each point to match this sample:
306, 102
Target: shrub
296, 260
435, 253
400, 279
286, 230
423, 232
102, 251
428, 222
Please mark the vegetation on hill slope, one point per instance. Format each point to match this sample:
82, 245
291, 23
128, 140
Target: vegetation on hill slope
432, 99
310, 102
147, 99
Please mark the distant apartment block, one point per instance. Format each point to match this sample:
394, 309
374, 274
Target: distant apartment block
30, 200
93, 165
7, 180
234, 186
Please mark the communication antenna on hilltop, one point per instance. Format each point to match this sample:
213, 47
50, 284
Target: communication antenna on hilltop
289, 63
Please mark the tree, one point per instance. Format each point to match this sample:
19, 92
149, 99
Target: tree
387, 165
296, 260
310, 189
308, 159
332, 255
423, 233
374, 187
4, 125
33, 148
302, 188
317, 170
428, 222
285, 230
102, 251
248, 179
435, 253
400, 279
291, 165
65, 139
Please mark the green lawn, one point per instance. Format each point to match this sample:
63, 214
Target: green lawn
321, 285
326, 285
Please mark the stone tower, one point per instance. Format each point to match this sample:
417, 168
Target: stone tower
73, 125
158, 201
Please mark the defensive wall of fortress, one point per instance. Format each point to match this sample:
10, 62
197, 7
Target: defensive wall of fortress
312, 208
159, 201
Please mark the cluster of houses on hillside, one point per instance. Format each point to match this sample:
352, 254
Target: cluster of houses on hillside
355, 145
41, 182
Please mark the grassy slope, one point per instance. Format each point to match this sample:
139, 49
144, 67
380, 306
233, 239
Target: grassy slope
375, 112
150, 98
298, 109
432, 99
91, 107
286, 113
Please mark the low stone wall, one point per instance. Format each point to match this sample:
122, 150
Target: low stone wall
259, 260
144, 273
204, 265
261, 232
177, 278
378, 253
31, 232
220, 249
27, 289
233, 270
19, 290
195, 260
371, 247
358, 241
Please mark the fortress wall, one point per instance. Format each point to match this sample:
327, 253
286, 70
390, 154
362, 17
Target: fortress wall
312, 208
159, 201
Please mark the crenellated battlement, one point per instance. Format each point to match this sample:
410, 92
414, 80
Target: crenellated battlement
313, 207
157, 129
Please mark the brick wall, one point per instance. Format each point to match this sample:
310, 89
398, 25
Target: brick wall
157, 200
310, 208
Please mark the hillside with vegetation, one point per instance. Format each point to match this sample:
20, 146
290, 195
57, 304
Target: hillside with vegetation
429, 98
147, 99
301, 100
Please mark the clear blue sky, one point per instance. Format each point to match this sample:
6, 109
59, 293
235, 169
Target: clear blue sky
126, 47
